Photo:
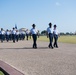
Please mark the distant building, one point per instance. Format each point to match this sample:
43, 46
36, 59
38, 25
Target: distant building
22, 29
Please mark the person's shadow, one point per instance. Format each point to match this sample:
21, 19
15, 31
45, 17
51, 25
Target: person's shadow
25, 48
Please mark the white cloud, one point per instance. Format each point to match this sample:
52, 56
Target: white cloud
58, 4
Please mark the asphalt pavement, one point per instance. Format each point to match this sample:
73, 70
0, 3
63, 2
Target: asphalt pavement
40, 61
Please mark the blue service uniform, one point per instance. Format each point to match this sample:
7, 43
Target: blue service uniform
34, 36
2, 35
50, 33
23, 35
14, 35
10, 35
55, 33
27, 34
20, 35
17, 35
7, 35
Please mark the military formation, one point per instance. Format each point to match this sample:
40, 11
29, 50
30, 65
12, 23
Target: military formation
11, 35
15, 35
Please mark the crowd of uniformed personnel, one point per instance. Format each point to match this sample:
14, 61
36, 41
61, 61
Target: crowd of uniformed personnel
11, 35
15, 35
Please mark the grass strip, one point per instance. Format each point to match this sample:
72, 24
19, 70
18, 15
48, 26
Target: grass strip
1, 73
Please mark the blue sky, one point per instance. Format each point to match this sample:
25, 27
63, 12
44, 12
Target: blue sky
26, 12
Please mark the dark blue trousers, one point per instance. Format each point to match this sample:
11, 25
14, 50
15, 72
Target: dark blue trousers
2, 37
51, 39
34, 40
7, 38
14, 37
26, 36
17, 38
55, 40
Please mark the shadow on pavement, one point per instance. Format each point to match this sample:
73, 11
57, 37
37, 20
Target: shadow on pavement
26, 48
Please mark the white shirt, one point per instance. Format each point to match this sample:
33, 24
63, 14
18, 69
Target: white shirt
7, 32
10, 32
17, 33
2, 32
55, 31
14, 32
49, 30
27, 32
33, 31
23, 32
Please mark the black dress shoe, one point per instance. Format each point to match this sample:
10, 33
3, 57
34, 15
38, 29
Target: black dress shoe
49, 46
35, 47
56, 46
52, 47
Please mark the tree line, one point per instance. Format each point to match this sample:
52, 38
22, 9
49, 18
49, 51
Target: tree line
61, 33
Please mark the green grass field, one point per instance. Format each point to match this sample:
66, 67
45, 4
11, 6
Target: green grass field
63, 39
67, 39
1, 73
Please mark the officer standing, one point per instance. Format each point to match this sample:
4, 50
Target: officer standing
14, 35
17, 35
2, 35
7, 35
27, 34
50, 33
55, 33
34, 35
23, 35
10, 35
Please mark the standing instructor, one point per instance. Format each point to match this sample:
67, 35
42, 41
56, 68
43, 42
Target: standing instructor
56, 34
50, 33
34, 35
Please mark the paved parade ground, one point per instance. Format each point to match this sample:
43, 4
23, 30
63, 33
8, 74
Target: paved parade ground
40, 61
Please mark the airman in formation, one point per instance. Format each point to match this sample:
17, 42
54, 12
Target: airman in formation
11, 35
